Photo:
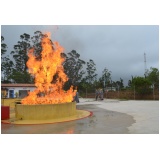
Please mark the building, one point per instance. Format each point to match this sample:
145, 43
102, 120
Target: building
110, 89
16, 90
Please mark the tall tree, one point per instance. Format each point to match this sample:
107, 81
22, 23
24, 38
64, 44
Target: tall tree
19, 72
73, 67
153, 76
121, 83
106, 77
141, 84
91, 72
6, 63
20, 53
36, 43
3, 51
3, 47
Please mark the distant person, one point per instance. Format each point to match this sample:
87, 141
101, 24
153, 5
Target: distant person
101, 94
97, 94
76, 98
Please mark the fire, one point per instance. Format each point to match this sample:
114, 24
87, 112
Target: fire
48, 90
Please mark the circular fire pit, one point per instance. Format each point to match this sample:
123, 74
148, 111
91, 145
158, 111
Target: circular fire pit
49, 77
46, 113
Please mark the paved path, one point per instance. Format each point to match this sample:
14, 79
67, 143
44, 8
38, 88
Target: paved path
145, 113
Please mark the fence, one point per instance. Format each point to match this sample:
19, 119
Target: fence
126, 94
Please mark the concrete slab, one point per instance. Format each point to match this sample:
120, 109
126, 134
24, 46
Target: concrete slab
145, 113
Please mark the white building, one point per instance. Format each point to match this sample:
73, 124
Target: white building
16, 90
110, 89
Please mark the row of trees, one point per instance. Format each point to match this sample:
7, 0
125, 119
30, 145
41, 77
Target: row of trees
80, 73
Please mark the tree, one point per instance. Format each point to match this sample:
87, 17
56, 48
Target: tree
3, 47
7, 68
121, 85
19, 71
73, 67
106, 77
83, 86
20, 53
91, 72
153, 76
20, 77
141, 84
36, 43
6, 63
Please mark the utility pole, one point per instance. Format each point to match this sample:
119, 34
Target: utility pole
134, 92
104, 80
145, 64
153, 91
118, 90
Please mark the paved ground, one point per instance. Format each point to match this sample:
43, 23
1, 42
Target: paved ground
109, 117
145, 114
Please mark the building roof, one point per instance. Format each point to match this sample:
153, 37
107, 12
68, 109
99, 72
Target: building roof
17, 85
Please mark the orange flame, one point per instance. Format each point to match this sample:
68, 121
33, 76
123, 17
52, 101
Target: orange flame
44, 70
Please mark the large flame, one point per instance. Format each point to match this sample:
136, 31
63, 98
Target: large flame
43, 70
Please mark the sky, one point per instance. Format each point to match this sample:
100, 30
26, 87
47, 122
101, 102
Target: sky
119, 48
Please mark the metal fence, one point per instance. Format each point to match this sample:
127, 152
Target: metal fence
126, 94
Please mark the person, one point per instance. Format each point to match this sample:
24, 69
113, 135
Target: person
97, 94
76, 98
101, 94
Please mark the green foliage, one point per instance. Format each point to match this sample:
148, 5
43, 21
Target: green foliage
153, 77
118, 84
36, 43
141, 84
20, 53
73, 67
91, 72
3, 47
144, 85
105, 79
21, 77
7, 68
18, 70
140, 81
6, 63
89, 82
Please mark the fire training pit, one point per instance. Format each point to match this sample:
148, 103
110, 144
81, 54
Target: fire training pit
45, 111
49, 102
45, 114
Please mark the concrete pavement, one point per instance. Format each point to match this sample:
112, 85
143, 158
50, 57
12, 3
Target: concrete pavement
145, 113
